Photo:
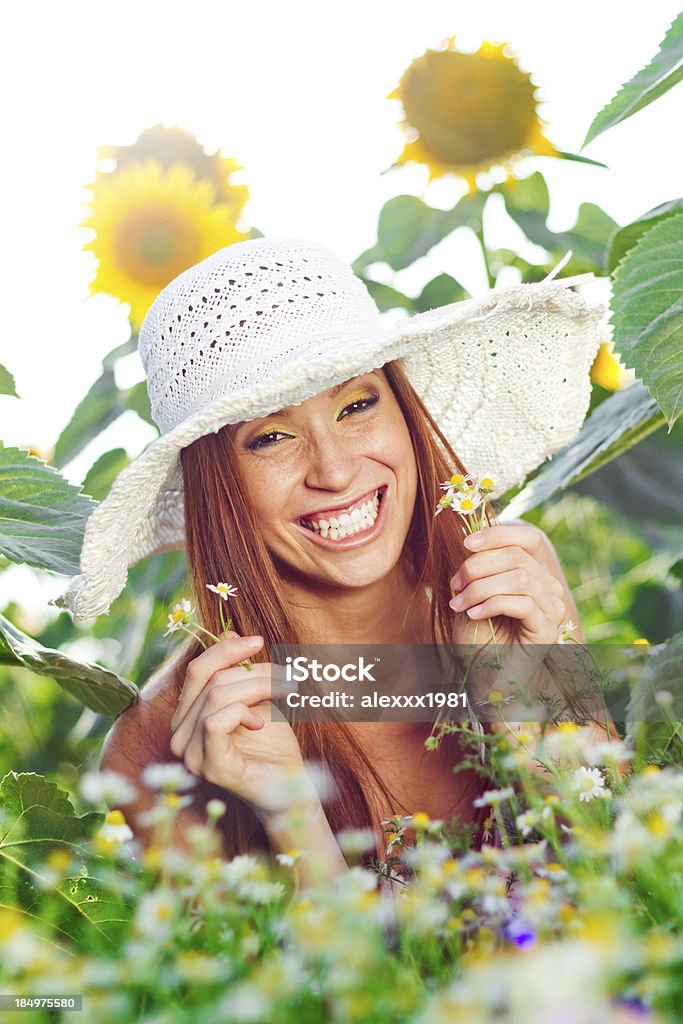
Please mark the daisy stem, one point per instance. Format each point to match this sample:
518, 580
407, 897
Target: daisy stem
207, 631
227, 626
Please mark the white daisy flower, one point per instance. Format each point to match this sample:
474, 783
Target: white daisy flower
589, 783
526, 822
494, 796
168, 777
164, 809
566, 630
290, 858
156, 913
465, 504
115, 828
180, 615
224, 590
112, 787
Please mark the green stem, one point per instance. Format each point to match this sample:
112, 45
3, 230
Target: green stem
485, 253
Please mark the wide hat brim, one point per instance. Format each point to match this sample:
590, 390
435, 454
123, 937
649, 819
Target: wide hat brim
506, 378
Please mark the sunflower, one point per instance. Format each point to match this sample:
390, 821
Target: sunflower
468, 112
607, 369
176, 145
150, 224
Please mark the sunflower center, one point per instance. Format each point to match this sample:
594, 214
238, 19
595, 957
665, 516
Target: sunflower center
155, 246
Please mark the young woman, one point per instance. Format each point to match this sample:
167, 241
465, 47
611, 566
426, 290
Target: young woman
255, 490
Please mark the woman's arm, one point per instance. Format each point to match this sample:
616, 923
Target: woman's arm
307, 829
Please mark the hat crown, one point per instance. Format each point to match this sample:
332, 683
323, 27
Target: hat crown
225, 324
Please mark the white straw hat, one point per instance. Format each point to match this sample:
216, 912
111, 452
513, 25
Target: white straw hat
269, 322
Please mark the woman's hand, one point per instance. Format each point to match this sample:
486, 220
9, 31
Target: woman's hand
505, 580
224, 732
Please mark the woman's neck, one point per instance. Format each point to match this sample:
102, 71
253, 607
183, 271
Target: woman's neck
389, 611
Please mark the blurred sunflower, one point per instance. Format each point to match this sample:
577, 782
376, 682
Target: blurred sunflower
150, 224
176, 145
607, 369
467, 112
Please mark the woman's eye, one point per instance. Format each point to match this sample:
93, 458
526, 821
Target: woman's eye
360, 405
262, 440
267, 440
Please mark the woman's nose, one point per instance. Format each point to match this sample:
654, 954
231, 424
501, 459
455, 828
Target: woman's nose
332, 465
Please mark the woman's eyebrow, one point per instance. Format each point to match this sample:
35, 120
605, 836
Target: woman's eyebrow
332, 393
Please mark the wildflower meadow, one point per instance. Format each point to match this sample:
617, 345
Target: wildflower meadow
571, 909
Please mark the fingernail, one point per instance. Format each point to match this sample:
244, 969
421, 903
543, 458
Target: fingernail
474, 610
253, 641
230, 633
475, 540
456, 602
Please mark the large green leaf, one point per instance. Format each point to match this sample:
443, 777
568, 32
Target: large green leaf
615, 426
104, 471
647, 306
660, 75
408, 228
35, 817
7, 385
42, 515
93, 685
528, 203
442, 290
103, 404
625, 238
640, 483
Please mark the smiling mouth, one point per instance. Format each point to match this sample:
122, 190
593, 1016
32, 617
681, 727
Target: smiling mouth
358, 519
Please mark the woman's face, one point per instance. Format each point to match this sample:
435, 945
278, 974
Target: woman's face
333, 482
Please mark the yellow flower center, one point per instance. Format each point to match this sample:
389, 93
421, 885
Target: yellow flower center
115, 818
456, 479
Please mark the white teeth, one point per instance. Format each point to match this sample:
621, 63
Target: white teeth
360, 518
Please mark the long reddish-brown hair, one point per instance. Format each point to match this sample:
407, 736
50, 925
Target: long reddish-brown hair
224, 542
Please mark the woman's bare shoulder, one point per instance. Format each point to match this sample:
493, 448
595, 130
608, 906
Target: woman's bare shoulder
141, 734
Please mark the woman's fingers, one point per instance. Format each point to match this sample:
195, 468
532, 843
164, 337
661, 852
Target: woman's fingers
518, 582
228, 686
226, 653
213, 739
541, 629
496, 560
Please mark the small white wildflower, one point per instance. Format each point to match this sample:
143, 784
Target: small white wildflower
525, 822
494, 796
179, 616
589, 783
216, 808
164, 809
224, 590
115, 828
566, 630
112, 787
156, 913
168, 777
609, 752
290, 858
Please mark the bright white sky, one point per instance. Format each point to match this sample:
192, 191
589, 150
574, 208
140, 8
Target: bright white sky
296, 93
